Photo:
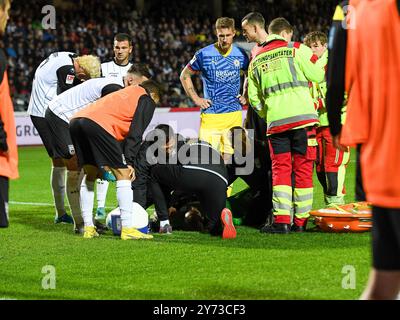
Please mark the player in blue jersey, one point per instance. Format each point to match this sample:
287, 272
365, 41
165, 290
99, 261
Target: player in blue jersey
220, 65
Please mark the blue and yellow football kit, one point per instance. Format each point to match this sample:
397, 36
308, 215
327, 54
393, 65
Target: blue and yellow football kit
220, 74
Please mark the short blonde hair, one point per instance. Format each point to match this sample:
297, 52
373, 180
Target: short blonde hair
4, 2
225, 22
90, 64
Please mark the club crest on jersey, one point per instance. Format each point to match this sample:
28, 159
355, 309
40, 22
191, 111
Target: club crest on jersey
70, 79
236, 63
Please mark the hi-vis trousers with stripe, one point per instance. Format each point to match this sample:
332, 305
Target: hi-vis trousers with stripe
292, 152
331, 167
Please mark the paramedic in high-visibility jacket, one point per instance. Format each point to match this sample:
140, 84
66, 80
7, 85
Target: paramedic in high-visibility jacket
278, 90
331, 162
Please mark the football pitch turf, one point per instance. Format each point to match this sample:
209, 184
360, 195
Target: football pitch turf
184, 265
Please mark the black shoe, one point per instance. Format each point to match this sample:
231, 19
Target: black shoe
204, 231
296, 228
101, 228
215, 231
275, 228
154, 226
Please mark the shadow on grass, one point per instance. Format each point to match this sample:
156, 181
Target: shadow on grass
247, 238
37, 218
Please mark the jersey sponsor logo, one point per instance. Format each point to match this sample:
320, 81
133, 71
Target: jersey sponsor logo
227, 75
70, 79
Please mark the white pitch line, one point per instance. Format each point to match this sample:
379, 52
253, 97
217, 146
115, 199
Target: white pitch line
39, 204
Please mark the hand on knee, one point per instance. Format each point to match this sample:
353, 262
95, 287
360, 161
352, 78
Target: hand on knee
124, 173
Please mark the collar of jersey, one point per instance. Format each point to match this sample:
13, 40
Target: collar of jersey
121, 65
222, 54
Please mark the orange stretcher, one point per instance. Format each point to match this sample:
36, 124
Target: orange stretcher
352, 217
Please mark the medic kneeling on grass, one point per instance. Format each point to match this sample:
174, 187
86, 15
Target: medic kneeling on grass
164, 165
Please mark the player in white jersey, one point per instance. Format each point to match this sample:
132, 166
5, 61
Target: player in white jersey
119, 65
63, 107
117, 68
56, 74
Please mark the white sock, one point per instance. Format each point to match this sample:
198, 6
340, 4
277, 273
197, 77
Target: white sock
125, 200
164, 223
73, 193
57, 181
87, 200
102, 187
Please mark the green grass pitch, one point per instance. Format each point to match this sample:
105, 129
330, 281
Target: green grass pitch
183, 265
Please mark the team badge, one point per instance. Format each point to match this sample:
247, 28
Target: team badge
236, 62
70, 79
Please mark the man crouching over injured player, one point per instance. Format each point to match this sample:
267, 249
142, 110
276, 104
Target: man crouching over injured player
199, 170
97, 132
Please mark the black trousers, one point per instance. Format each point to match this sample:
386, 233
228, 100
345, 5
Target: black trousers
4, 183
210, 189
42, 127
386, 238
261, 178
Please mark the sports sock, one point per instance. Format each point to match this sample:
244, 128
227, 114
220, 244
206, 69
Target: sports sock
87, 200
102, 187
57, 181
164, 223
125, 200
73, 193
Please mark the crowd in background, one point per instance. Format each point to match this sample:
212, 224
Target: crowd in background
165, 37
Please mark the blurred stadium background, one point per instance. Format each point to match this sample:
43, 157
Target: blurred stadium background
165, 34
